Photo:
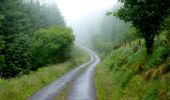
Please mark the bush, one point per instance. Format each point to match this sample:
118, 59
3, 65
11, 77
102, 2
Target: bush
51, 45
17, 57
25, 53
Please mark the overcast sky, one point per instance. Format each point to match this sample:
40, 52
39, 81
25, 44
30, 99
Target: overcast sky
83, 16
73, 10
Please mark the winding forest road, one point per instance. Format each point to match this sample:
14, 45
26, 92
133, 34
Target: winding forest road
82, 87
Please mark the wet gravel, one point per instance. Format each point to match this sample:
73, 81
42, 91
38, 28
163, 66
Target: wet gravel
83, 86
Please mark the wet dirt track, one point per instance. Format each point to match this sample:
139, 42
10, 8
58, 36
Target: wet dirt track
82, 88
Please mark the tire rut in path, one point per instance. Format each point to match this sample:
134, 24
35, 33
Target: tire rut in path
53, 89
83, 87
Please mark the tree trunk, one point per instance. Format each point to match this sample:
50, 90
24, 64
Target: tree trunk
139, 42
149, 42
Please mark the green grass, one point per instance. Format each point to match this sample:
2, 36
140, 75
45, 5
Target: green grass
21, 87
122, 75
104, 83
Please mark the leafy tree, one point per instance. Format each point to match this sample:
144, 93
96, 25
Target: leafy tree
21, 23
146, 15
51, 45
18, 56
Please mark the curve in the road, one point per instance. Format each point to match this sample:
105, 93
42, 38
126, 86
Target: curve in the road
52, 90
83, 87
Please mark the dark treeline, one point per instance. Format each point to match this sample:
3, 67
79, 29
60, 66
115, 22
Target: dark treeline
32, 35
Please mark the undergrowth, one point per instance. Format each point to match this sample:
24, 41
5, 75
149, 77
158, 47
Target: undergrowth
129, 73
24, 86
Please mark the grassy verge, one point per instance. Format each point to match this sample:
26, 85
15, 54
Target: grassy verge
22, 87
104, 83
130, 74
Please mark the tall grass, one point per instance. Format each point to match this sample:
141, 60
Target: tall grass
104, 84
129, 74
21, 87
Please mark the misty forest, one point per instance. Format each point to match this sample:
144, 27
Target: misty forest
84, 50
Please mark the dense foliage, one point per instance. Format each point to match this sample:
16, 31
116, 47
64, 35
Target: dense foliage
147, 16
51, 45
32, 35
131, 73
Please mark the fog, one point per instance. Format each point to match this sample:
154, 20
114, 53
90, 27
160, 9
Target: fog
85, 16
86, 26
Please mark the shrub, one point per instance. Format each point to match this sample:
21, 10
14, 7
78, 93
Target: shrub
25, 53
17, 57
51, 45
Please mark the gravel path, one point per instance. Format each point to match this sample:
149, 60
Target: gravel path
83, 86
